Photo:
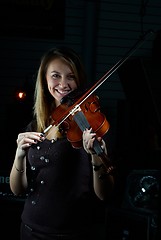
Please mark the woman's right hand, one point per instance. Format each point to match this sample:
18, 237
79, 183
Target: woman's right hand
26, 139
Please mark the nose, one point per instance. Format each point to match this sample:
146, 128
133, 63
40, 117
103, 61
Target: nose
63, 82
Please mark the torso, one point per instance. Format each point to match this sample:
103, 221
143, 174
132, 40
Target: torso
61, 189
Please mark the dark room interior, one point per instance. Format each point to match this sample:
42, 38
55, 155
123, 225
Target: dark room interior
102, 32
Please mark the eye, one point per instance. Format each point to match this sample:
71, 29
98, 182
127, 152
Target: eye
72, 77
55, 76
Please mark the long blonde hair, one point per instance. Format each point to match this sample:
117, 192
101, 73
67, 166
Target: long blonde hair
44, 102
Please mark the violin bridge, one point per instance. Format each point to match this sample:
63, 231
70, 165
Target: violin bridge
75, 109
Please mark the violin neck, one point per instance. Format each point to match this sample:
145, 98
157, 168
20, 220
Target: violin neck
105, 159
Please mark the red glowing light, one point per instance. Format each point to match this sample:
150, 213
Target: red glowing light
21, 95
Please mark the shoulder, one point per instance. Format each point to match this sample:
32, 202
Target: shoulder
32, 126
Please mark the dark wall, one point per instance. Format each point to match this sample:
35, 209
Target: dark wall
101, 34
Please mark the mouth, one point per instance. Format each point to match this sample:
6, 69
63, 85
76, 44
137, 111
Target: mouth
62, 93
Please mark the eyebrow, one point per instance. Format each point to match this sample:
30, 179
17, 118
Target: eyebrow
55, 71
71, 73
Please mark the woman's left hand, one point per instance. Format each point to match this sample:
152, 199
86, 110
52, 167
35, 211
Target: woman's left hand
88, 140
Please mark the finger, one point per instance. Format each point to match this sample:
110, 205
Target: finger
88, 134
30, 137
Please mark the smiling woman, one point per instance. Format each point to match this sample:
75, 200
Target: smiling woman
73, 76
60, 79
62, 183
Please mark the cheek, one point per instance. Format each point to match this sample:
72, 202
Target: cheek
50, 85
73, 85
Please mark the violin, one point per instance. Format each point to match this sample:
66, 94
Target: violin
80, 110
87, 115
81, 116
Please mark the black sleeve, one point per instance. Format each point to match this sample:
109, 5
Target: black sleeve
31, 127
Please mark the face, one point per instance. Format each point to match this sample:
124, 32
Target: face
60, 79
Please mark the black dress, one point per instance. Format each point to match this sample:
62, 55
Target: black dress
60, 199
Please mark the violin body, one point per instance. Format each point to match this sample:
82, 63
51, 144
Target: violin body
91, 111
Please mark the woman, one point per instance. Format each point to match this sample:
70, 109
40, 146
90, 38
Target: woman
61, 184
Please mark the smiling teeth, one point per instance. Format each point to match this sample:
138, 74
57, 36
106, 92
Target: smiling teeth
63, 92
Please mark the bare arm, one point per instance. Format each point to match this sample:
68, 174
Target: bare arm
103, 182
18, 178
102, 186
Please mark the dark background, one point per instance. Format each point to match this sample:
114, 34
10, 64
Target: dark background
102, 32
